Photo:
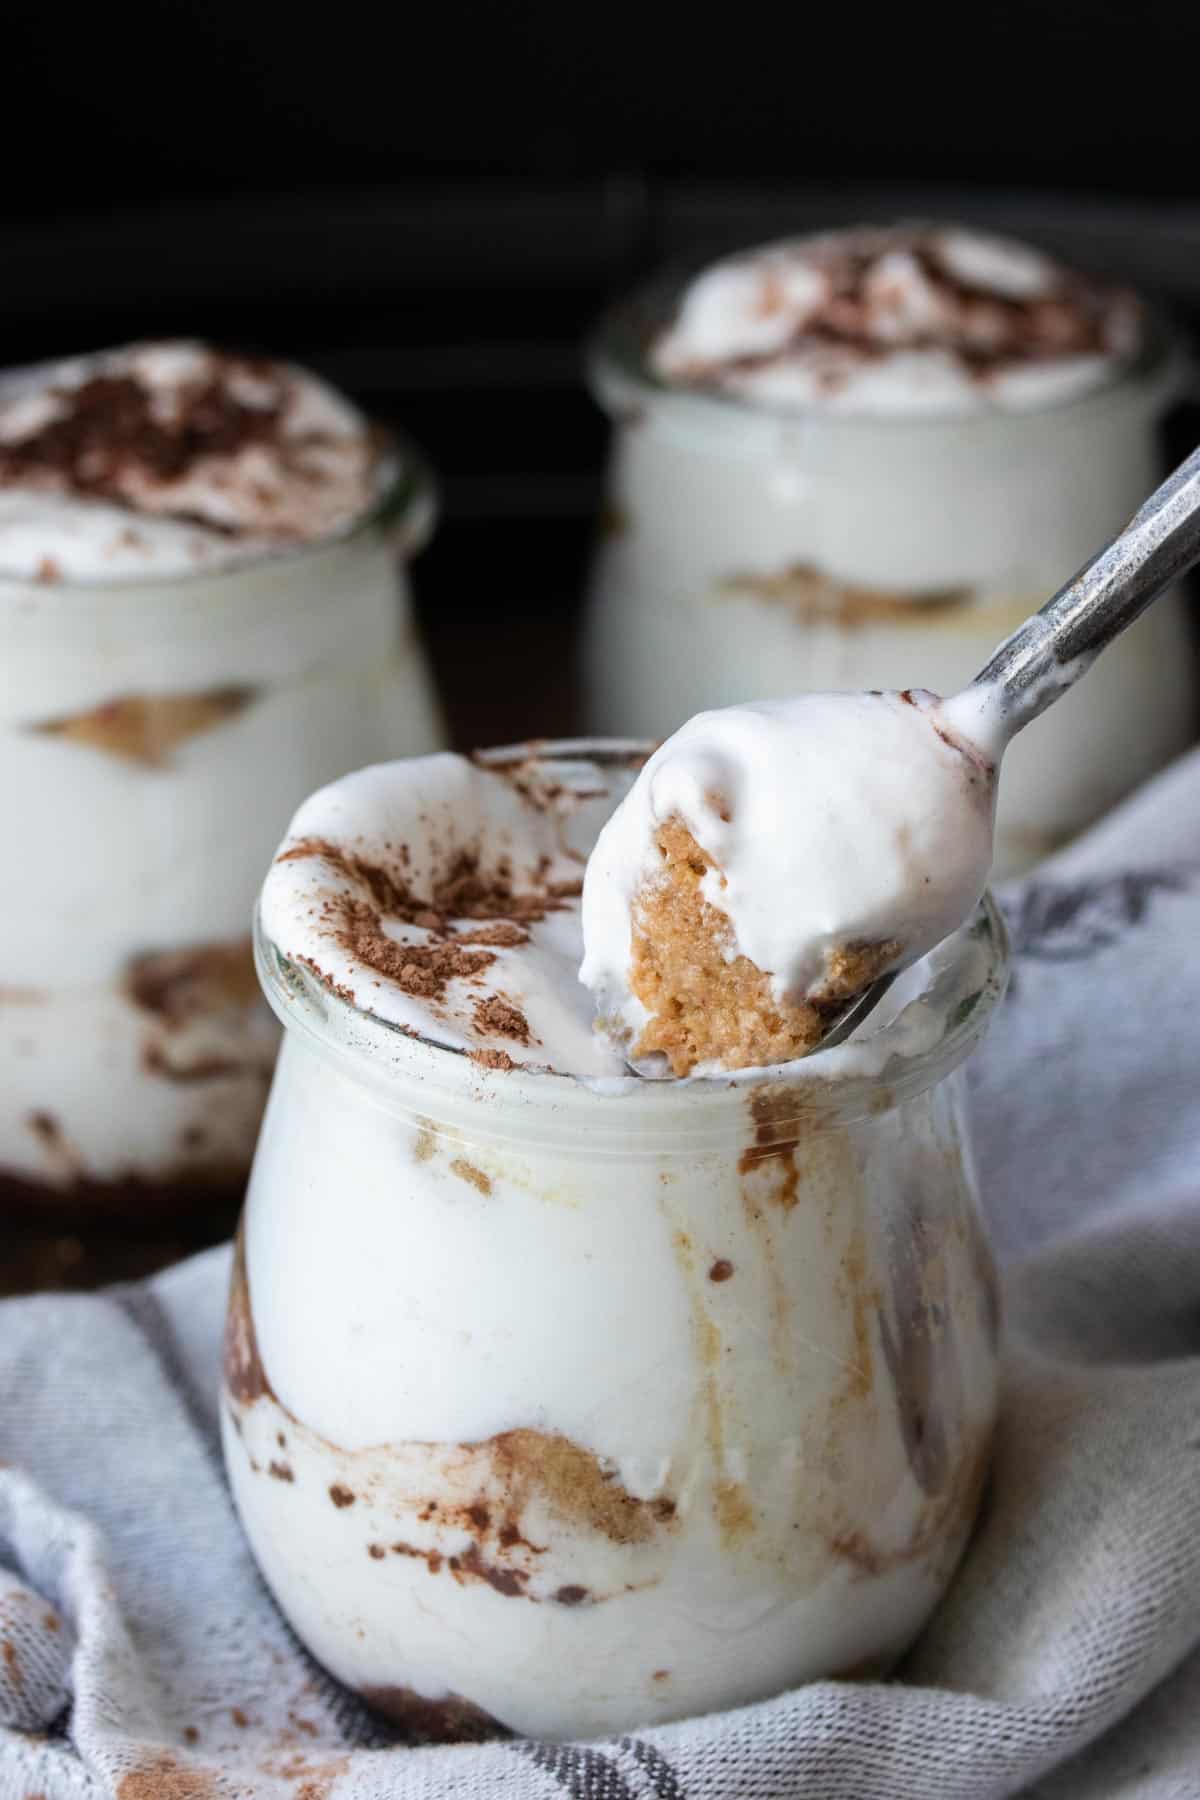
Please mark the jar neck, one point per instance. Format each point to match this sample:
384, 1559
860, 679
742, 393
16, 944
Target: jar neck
930, 1022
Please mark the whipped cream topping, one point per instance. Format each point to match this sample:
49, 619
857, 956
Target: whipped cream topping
899, 320
158, 458
442, 896
832, 820
447, 896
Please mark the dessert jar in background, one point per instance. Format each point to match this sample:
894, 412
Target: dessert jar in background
756, 543
158, 724
614, 1400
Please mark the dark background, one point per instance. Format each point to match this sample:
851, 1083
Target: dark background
431, 206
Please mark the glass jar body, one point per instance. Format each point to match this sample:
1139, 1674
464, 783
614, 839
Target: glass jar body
746, 555
529, 1430
154, 739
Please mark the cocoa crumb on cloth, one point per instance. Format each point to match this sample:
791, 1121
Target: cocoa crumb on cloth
163, 1777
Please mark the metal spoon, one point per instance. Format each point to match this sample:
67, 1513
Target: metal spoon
1051, 651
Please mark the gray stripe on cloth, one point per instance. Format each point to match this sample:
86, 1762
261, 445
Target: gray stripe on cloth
663, 1777
142, 1306
582, 1773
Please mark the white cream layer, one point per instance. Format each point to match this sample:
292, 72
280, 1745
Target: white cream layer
710, 1329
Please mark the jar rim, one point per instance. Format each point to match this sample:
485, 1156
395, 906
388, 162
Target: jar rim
622, 381
404, 502
931, 1020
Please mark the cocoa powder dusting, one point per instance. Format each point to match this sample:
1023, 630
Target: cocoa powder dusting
423, 970
503, 935
389, 891
111, 433
335, 987
986, 331
467, 913
462, 892
492, 1059
500, 1018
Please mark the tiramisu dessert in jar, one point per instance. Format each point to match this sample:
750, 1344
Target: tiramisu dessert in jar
858, 460
200, 618
589, 1372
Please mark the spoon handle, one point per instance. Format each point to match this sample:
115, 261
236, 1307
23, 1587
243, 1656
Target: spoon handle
1050, 651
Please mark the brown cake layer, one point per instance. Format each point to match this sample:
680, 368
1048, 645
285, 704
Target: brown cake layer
708, 1005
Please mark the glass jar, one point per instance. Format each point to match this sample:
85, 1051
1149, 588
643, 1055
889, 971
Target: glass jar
560, 1406
752, 554
155, 737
